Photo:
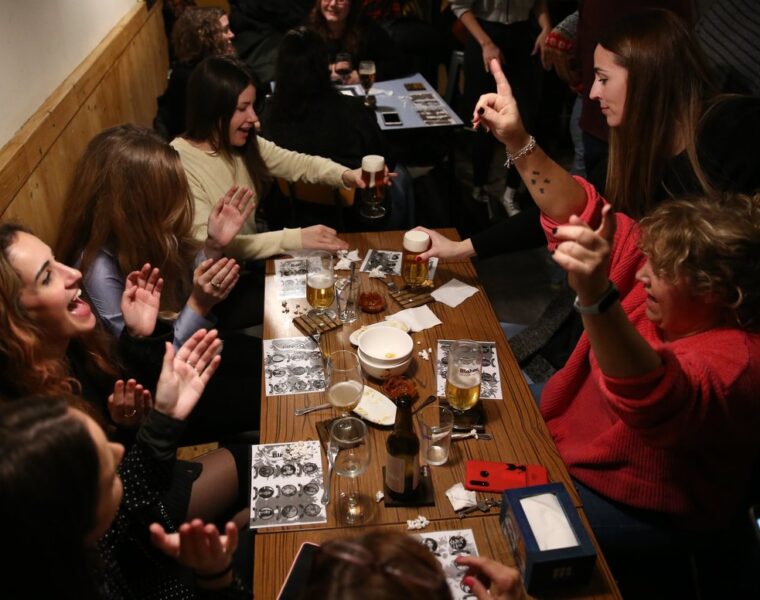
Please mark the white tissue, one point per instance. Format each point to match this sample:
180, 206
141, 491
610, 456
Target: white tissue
548, 522
416, 319
461, 498
377, 272
453, 292
345, 258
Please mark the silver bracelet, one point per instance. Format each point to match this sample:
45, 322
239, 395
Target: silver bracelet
524, 151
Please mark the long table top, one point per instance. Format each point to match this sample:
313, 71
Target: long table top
520, 434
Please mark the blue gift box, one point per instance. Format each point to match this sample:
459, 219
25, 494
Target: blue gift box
543, 570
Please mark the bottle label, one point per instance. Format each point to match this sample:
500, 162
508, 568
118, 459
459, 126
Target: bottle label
394, 474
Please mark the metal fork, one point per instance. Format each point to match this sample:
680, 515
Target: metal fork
299, 412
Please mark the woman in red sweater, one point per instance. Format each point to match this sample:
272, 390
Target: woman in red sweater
656, 411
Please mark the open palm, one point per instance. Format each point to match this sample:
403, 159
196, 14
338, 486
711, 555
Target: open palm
141, 300
230, 214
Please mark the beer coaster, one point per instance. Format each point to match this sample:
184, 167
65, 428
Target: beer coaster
425, 495
469, 419
411, 297
310, 325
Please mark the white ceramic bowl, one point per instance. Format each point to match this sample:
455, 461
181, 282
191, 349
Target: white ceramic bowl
383, 371
386, 346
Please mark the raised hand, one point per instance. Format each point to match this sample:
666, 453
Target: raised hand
321, 237
443, 247
141, 300
201, 548
227, 218
489, 579
185, 375
213, 281
129, 403
585, 254
499, 113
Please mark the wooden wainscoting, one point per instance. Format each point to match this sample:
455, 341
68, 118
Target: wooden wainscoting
117, 83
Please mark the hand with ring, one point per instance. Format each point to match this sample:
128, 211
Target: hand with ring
129, 403
213, 280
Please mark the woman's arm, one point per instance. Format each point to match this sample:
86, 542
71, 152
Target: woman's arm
553, 189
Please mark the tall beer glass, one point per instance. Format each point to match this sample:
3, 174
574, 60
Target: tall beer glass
463, 377
367, 79
373, 196
320, 284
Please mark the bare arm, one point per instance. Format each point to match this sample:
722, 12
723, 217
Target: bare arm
490, 50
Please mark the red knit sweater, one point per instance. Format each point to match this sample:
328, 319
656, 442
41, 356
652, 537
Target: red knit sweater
680, 440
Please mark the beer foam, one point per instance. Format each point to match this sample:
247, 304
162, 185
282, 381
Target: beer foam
372, 163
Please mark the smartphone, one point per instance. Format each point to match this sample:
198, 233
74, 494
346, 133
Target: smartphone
489, 476
300, 571
391, 119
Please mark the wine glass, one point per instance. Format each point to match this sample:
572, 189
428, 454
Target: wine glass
349, 453
344, 66
345, 383
320, 285
367, 79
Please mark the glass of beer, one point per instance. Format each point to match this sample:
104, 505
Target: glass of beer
345, 382
373, 196
465, 362
415, 243
367, 79
320, 284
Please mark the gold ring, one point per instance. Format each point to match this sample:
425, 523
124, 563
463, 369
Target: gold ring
216, 285
131, 414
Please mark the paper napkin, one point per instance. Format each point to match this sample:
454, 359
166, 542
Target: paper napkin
418, 318
460, 498
548, 522
345, 259
453, 293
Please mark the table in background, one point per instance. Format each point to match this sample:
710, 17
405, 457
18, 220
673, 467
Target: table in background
520, 434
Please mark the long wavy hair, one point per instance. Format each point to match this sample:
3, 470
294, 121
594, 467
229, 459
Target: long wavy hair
212, 93
49, 473
713, 243
669, 85
198, 34
302, 74
26, 366
130, 194
352, 32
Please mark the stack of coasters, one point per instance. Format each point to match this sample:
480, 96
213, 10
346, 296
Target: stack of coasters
411, 297
309, 325
424, 496
550, 545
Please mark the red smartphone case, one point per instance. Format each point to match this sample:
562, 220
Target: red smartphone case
488, 476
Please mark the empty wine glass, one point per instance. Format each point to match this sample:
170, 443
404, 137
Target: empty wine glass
367, 79
350, 453
320, 285
345, 382
344, 67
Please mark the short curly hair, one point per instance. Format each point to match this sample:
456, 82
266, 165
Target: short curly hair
713, 243
198, 34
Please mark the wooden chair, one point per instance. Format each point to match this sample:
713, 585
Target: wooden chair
300, 194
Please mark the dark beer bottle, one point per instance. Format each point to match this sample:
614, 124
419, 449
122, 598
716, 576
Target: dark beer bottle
402, 469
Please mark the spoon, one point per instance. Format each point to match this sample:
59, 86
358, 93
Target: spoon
428, 400
307, 409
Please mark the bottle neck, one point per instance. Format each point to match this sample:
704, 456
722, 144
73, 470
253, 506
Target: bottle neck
403, 414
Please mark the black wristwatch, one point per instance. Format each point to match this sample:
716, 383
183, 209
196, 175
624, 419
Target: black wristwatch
602, 305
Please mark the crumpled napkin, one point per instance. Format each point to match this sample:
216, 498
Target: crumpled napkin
377, 272
461, 498
418, 318
548, 521
453, 292
345, 258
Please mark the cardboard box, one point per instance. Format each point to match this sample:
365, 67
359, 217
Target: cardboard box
544, 570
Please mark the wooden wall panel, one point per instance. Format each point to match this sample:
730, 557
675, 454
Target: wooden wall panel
117, 83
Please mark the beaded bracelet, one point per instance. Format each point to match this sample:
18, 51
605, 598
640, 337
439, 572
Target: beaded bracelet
524, 151
213, 576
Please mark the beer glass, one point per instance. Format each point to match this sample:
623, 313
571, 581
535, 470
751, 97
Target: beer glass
345, 382
349, 453
465, 362
373, 196
415, 243
320, 284
367, 79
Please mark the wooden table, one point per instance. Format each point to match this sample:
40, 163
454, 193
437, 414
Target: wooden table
520, 434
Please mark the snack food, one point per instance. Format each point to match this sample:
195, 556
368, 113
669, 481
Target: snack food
398, 385
371, 302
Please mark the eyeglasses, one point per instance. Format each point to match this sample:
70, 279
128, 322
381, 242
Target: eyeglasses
358, 555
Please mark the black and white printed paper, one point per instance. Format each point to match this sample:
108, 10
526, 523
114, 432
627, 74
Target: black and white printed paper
293, 366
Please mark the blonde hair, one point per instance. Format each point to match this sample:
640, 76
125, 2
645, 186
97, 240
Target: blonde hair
713, 243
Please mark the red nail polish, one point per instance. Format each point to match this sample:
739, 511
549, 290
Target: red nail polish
468, 581
418, 259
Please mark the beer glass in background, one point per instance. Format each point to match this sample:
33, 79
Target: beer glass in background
345, 382
465, 363
373, 196
415, 273
320, 284
367, 79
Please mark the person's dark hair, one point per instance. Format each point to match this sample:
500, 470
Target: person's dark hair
49, 474
377, 566
25, 365
302, 74
352, 32
669, 84
198, 34
212, 96
712, 243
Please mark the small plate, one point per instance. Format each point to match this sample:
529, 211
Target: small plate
376, 407
354, 337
